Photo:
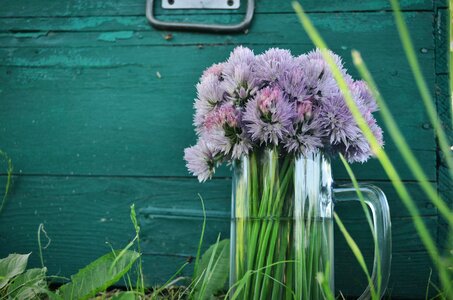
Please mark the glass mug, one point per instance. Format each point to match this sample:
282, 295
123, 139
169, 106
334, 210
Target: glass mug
282, 227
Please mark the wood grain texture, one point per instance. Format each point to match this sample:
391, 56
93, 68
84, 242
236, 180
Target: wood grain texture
441, 38
92, 129
67, 78
81, 214
445, 186
134, 7
441, 3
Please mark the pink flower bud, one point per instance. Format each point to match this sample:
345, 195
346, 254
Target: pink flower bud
304, 110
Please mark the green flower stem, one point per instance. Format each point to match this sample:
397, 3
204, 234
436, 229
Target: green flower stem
254, 187
281, 256
272, 239
265, 220
273, 226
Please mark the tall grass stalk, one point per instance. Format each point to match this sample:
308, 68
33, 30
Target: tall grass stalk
373, 289
383, 158
9, 172
355, 184
170, 281
400, 141
236, 290
200, 242
421, 84
357, 253
41, 229
140, 284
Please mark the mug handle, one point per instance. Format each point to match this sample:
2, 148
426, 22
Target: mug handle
377, 202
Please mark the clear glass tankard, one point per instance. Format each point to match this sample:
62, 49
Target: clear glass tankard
282, 227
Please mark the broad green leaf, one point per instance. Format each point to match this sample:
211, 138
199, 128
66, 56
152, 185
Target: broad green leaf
29, 284
12, 266
129, 295
98, 275
214, 266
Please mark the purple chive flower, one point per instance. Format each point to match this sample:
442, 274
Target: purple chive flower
200, 160
319, 80
209, 95
342, 133
224, 132
306, 136
215, 69
304, 110
337, 122
292, 82
360, 150
361, 91
269, 116
239, 56
239, 84
276, 100
272, 64
317, 55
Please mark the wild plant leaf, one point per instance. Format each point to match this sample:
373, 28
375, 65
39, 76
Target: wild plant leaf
129, 295
28, 285
98, 275
12, 266
213, 266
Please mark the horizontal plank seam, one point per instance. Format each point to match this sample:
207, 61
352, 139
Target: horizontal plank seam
219, 13
362, 180
167, 44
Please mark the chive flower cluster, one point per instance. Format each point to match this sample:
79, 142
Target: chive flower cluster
276, 100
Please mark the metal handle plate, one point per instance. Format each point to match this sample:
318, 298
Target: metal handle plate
213, 28
200, 4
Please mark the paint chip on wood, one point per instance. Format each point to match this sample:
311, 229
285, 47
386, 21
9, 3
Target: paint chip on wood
114, 36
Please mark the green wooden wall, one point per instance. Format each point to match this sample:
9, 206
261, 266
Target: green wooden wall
91, 127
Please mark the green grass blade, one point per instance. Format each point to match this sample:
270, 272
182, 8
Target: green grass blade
359, 193
354, 248
156, 293
370, 222
200, 242
9, 172
400, 141
383, 158
140, 285
421, 84
41, 229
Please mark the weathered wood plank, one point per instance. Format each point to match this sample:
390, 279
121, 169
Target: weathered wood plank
440, 3
79, 210
445, 186
14, 8
40, 84
409, 275
81, 214
442, 41
267, 28
100, 141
